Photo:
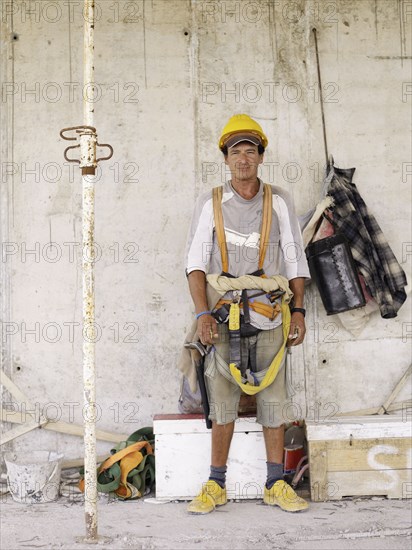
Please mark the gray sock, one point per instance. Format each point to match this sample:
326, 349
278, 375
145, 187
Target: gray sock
218, 474
275, 472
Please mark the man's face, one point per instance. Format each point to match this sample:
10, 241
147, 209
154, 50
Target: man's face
243, 160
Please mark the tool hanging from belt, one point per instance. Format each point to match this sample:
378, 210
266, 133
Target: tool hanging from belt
229, 310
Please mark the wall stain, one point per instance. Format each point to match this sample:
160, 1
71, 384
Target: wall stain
402, 31
144, 46
376, 19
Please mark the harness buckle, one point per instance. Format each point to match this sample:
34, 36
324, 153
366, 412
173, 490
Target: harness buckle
274, 295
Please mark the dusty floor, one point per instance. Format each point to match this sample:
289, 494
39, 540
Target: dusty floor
371, 524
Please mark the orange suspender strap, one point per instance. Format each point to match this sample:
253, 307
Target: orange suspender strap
219, 227
217, 194
266, 223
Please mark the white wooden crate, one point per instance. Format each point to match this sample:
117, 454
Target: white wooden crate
360, 456
182, 449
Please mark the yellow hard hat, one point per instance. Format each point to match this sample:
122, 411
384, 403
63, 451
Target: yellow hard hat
242, 124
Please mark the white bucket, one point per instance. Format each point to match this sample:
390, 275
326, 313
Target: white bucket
34, 477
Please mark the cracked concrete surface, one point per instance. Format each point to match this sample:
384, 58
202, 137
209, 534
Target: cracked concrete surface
364, 524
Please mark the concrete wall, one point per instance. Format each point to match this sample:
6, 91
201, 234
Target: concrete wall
169, 74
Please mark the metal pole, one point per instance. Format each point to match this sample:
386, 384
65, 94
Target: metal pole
89, 369
86, 137
325, 142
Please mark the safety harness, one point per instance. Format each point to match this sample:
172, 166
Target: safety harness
228, 311
130, 469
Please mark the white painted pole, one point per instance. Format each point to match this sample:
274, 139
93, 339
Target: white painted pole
89, 370
87, 137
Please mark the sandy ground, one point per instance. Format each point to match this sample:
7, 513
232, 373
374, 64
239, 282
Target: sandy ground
372, 524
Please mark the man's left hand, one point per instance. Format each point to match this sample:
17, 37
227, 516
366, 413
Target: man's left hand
297, 329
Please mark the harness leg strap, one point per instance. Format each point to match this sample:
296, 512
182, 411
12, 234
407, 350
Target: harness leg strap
235, 354
252, 357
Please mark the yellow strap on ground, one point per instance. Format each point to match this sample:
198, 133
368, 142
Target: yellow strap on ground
275, 364
129, 458
127, 464
124, 452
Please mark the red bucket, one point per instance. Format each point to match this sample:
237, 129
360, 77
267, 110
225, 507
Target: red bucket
293, 454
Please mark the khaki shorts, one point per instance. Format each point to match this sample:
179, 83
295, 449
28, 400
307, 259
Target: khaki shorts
223, 391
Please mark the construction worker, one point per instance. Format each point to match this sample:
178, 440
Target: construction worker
248, 328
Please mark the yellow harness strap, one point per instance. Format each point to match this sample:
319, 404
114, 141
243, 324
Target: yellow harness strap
264, 309
130, 457
273, 368
266, 223
234, 316
217, 194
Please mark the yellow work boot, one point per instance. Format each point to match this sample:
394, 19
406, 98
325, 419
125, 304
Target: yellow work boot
210, 496
281, 494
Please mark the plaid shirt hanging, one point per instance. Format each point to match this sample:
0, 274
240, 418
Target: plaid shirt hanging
373, 256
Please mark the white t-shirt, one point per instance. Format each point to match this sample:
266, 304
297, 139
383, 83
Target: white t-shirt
242, 220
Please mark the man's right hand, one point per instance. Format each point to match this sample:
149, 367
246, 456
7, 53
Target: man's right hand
207, 329
206, 324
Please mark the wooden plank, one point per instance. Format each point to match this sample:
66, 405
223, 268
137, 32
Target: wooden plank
374, 410
359, 427
18, 417
21, 398
366, 467
183, 425
318, 470
388, 406
18, 431
390, 483
14, 390
369, 454
62, 427
177, 416
74, 429
79, 462
396, 390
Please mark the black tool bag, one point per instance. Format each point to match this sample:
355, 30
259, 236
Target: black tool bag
333, 269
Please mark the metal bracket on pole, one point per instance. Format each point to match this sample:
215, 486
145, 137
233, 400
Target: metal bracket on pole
87, 137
